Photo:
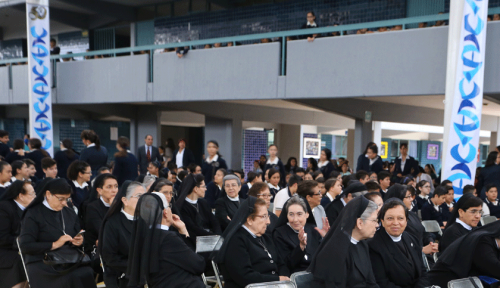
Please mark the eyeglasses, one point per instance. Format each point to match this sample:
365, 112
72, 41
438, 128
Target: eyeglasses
427, 186
474, 212
375, 221
137, 196
202, 186
408, 197
168, 193
317, 194
231, 185
298, 214
270, 196
264, 217
62, 199
90, 172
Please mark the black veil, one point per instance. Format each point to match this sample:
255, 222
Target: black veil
246, 208
98, 181
329, 262
55, 186
144, 255
283, 219
396, 191
458, 256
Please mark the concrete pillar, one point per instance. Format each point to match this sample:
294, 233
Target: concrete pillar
362, 135
377, 134
147, 122
132, 36
495, 137
350, 147
289, 142
228, 133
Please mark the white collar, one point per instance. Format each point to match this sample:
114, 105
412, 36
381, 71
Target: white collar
329, 196
235, 199
164, 227
17, 150
47, 204
274, 187
216, 157
20, 206
343, 202
251, 233
394, 239
423, 197
449, 205
312, 25
322, 164
373, 160
274, 162
249, 185
218, 186
181, 152
13, 179
64, 149
354, 241
494, 202
128, 151
288, 223
105, 204
466, 226
129, 217
191, 201
85, 184
91, 145
7, 184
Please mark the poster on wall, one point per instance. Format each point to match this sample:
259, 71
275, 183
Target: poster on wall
384, 149
312, 148
432, 151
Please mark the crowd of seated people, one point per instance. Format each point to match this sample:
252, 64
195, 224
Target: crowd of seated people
141, 223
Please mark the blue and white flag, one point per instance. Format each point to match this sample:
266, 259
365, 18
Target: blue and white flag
40, 77
463, 141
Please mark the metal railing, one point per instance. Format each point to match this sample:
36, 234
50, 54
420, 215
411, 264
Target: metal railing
282, 36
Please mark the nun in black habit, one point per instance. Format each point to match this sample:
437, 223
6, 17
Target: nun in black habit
116, 232
247, 254
342, 259
295, 238
48, 224
474, 254
395, 254
159, 257
464, 218
229, 202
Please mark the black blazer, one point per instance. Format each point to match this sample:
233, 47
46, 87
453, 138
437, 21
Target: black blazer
224, 208
212, 194
452, 233
63, 163
125, 168
244, 191
10, 226
4, 149
13, 156
488, 175
446, 210
247, 262
376, 167
187, 159
143, 159
37, 157
429, 213
95, 158
327, 169
41, 227
288, 246
94, 215
410, 163
278, 166
208, 170
390, 266
196, 222
179, 265
333, 209
421, 201
494, 209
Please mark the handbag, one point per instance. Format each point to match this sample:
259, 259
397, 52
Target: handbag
66, 258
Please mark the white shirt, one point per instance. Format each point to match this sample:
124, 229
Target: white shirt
395, 239
329, 196
85, 184
280, 199
343, 202
7, 184
311, 25
373, 160
148, 148
104, 202
354, 241
486, 210
322, 164
91, 145
425, 197
492, 202
208, 160
191, 201
235, 199
129, 217
179, 157
249, 185
164, 227
463, 224
20, 206
403, 162
274, 187
274, 162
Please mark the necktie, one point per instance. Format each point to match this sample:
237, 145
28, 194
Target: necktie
148, 155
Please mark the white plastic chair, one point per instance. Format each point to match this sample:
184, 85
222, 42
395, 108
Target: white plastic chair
488, 219
207, 244
302, 279
466, 283
276, 284
22, 260
432, 226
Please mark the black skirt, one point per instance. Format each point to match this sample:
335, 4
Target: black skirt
13, 275
44, 276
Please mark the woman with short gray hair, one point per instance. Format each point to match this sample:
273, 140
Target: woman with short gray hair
229, 202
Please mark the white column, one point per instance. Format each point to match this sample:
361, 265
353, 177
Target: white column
132, 36
377, 134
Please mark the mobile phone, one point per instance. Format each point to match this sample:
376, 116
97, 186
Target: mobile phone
80, 233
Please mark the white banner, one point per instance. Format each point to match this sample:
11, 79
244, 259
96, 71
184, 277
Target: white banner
40, 77
463, 142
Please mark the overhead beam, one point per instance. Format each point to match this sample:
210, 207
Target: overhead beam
117, 11
70, 18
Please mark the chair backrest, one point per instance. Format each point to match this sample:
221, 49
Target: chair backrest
206, 243
302, 279
432, 226
488, 219
276, 284
465, 283
22, 260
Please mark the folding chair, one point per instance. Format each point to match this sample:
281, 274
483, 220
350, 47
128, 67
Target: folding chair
302, 279
488, 219
207, 244
276, 284
471, 282
426, 263
432, 226
22, 260
435, 256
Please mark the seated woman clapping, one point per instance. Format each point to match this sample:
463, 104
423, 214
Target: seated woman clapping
295, 239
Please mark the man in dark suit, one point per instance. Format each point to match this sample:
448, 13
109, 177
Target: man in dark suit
148, 153
4, 139
404, 164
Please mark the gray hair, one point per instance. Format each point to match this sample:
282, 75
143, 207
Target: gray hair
148, 180
372, 207
230, 177
131, 188
296, 200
